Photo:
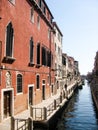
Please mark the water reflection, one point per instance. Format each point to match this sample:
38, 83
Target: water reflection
80, 114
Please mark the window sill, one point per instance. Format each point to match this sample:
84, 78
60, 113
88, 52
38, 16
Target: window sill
19, 93
37, 89
8, 59
32, 21
38, 65
31, 64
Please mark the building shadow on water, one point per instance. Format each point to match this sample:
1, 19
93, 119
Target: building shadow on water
95, 109
72, 113
61, 123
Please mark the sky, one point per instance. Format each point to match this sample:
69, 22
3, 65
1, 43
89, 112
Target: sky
78, 22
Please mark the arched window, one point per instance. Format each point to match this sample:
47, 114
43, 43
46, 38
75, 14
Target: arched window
9, 40
19, 83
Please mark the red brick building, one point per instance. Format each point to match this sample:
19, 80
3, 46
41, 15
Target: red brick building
26, 55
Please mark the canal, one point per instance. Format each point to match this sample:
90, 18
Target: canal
80, 113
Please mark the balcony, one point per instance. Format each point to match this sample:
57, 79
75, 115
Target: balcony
8, 59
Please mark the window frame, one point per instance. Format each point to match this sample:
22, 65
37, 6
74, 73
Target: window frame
38, 60
31, 51
38, 22
44, 56
32, 14
12, 1
40, 3
37, 81
9, 42
18, 91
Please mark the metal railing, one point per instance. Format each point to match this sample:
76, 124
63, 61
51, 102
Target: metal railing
57, 102
21, 124
50, 109
39, 114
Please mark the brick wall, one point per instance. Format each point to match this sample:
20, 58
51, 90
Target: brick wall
19, 15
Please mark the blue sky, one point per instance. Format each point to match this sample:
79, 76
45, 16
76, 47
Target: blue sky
78, 21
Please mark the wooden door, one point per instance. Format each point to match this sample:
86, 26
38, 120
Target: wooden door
30, 95
7, 104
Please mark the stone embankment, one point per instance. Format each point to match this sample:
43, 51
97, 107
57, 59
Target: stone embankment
94, 91
43, 115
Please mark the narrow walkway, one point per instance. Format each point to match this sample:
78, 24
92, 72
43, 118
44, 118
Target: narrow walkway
5, 125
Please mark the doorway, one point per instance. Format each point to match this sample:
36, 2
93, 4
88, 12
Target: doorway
7, 103
31, 95
7, 111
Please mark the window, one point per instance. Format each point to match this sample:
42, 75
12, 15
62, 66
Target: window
59, 68
56, 69
38, 22
19, 83
63, 60
58, 36
48, 79
59, 50
55, 46
48, 33
49, 59
43, 81
37, 82
44, 56
43, 8
9, 40
50, 19
40, 3
38, 53
55, 66
12, 1
32, 14
31, 50
8, 58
